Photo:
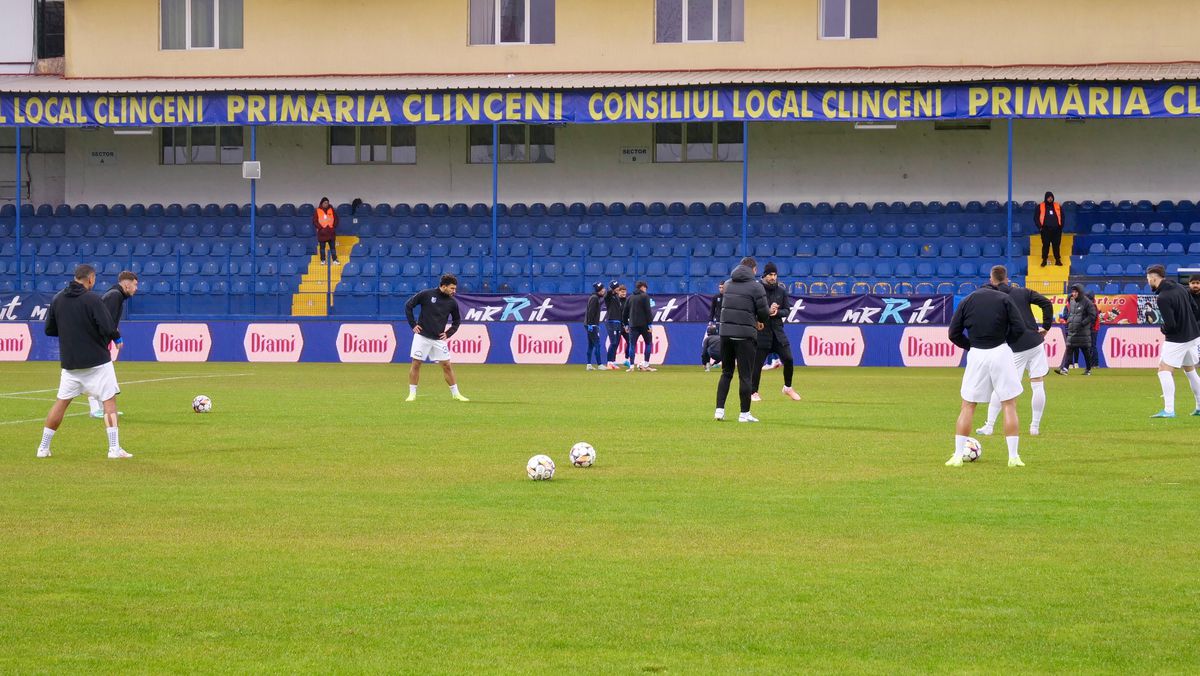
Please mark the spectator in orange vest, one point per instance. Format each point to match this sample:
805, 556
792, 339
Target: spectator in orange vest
1050, 223
325, 222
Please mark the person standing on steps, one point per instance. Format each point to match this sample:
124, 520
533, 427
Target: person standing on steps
325, 222
1050, 222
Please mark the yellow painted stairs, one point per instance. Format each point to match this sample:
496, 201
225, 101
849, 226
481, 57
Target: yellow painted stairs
1051, 279
309, 300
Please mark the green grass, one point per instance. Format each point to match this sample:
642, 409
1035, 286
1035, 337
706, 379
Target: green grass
313, 522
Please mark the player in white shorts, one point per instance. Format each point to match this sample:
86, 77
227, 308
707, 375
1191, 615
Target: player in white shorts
984, 323
1181, 328
1029, 352
430, 332
84, 328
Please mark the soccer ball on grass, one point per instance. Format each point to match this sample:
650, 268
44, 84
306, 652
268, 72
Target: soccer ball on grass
202, 404
972, 450
582, 454
540, 468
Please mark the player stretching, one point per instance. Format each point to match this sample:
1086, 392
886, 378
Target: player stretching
437, 308
84, 329
772, 338
1181, 327
989, 319
114, 300
1029, 351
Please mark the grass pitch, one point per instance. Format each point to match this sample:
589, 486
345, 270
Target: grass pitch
313, 522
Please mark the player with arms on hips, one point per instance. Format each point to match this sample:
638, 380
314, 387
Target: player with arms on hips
114, 299
772, 339
78, 318
1181, 328
1029, 351
438, 308
984, 325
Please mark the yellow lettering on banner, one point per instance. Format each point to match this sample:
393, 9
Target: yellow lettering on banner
702, 106
738, 113
234, 104
466, 107
889, 104
379, 110
635, 105
1001, 101
191, 109
653, 109
1169, 97
906, 98
343, 108
978, 97
870, 103
408, 108
1137, 102
756, 103
1193, 100
512, 106
3, 118
256, 104
923, 103
539, 106
594, 106
155, 107
612, 106
1072, 104
825, 107
558, 105
1043, 101
791, 108
1117, 105
490, 109
1098, 101
773, 100
50, 108
100, 110
320, 110
294, 108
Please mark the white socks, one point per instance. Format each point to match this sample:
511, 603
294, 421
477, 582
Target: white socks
95, 405
113, 441
1012, 446
993, 411
47, 435
1194, 381
960, 445
1168, 387
412, 389
1039, 403
454, 390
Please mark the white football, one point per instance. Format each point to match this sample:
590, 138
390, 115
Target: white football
540, 468
972, 450
582, 454
202, 404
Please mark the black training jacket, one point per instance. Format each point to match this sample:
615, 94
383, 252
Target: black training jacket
592, 315
1025, 300
114, 300
1180, 324
436, 309
989, 318
744, 305
638, 311
615, 307
774, 325
83, 327
714, 314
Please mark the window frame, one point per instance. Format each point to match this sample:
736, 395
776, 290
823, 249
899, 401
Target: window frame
684, 38
527, 129
188, 153
714, 145
187, 29
358, 146
500, 20
847, 23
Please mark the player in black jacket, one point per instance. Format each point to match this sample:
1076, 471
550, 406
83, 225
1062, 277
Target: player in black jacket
114, 299
1029, 351
743, 314
591, 324
614, 323
84, 328
438, 308
639, 315
985, 324
1181, 328
772, 338
714, 313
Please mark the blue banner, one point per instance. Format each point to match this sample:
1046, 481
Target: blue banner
759, 103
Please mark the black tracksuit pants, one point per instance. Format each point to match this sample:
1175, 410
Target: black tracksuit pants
642, 332
784, 350
739, 353
1052, 237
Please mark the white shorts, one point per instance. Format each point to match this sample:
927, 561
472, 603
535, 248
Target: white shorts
427, 348
99, 382
1177, 355
991, 370
1032, 360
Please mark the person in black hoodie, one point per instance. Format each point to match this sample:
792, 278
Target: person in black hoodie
1029, 351
114, 299
710, 348
591, 324
614, 320
639, 315
1181, 328
744, 312
438, 308
1050, 221
84, 328
714, 313
772, 339
1081, 319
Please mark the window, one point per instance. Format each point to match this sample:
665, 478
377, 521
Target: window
42, 140
518, 143
202, 145
699, 20
512, 22
201, 24
698, 142
853, 19
373, 145
50, 28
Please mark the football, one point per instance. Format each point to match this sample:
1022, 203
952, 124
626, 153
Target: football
972, 450
540, 468
202, 404
582, 454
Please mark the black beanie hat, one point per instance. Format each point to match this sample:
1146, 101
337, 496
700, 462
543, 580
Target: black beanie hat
612, 286
1049, 195
597, 286
769, 268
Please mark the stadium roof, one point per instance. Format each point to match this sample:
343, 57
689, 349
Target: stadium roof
905, 75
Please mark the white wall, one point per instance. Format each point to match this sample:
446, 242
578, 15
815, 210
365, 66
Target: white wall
1152, 159
16, 36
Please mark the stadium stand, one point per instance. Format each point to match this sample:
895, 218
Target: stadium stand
196, 258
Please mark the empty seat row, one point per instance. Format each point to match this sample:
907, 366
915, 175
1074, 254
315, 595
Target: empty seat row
1155, 228
1138, 248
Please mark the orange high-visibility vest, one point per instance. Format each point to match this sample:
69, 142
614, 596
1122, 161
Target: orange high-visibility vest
1041, 214
325, 218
